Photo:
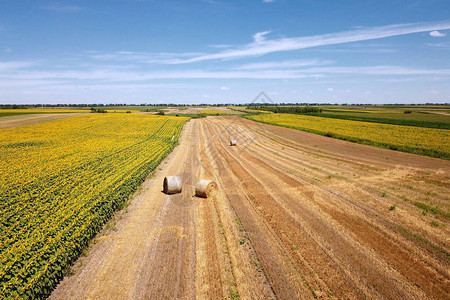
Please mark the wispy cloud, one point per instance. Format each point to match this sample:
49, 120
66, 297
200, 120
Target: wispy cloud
261, 45
28, 83
100, 74
15, 65
362, 47
96, 75
259, 37
439, 45
377, 70
34, 73
285, 64
59, 7
436, 33
142, 57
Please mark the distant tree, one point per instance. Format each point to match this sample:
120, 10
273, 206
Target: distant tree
98, 110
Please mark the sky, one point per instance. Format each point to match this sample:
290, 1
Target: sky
217, 51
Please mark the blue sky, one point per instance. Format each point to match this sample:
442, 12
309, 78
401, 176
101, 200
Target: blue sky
216, 51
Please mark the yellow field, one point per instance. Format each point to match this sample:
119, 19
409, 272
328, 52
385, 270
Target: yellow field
428, 141
48, 208
213, 112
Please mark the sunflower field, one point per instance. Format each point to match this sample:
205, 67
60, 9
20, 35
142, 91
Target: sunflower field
61, 181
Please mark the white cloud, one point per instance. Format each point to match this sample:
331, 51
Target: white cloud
100, 74
259, 37
330, 89
360, 48
262, 46
439, 45
377, 70
285, 64
7, 50
436, 33
268, 1
15, 65
142, 57
33, 73
18, 71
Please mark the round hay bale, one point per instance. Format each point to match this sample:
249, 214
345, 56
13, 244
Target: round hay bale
232, 142
172, 185
206, 188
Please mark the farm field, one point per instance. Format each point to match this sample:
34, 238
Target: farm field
213, 111
20, 120
44, 110
419, 119
196, 110
419, 116
36, 113
296, 216
427, 141
61, 181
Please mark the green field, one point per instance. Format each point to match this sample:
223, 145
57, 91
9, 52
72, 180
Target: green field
418, 116
433, 142
417, 119
6, 114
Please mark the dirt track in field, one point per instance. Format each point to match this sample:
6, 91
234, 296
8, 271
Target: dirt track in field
32, 119
297, 216
438, 112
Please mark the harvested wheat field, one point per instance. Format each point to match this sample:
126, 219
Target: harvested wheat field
33, 119
296, 216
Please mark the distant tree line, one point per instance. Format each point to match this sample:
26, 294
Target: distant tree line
2, 106
23, 106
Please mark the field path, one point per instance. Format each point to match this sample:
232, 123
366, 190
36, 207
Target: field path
297, 216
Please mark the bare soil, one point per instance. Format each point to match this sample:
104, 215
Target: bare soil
296, 216
438, 112
32, 119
